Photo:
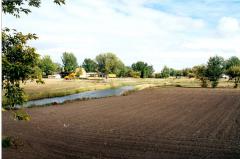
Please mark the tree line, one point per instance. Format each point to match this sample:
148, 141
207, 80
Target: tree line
104, 64
109, 63
211, 72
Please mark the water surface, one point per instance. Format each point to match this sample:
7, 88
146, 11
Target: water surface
88, 94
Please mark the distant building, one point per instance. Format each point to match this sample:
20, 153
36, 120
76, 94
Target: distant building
225, 76
56, 76
92, 74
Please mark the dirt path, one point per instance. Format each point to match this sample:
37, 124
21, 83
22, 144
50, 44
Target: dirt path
152, 124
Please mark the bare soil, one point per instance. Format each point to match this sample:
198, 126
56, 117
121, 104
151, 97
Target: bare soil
155, 123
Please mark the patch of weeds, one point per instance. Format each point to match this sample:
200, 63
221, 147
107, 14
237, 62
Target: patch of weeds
21, 115
10, 141
178, 85
54, 103
128, 92
6, 142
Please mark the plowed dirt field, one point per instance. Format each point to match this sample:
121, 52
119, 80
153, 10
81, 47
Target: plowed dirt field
155, 123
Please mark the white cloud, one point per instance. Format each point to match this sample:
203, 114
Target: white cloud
126, 28
228, 24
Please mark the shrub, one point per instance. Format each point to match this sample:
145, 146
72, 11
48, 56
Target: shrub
21, 115
200, 73
234, 73
134, 74
158, 75
10, 141
191, 75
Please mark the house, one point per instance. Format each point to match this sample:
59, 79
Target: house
225, 76
56, 76
92, 74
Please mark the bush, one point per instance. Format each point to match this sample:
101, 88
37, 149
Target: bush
158, 75
22, 115
204, 83
234, 73
134, 74
200, 73
214, 83
6, 142
191, 75
10, 141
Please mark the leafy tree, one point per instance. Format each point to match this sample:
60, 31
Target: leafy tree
215, 68
89, 65
19, 64
234, 73
47, 66
149, 71
108, 63
15, 7
179, 73
58, 67
232, 61
134, 74
123, 71
200, 73
158, 75
186, 72
144, 69
19, 61
165, 73
172, 72
69, 62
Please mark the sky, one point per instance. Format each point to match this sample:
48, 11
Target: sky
176, 33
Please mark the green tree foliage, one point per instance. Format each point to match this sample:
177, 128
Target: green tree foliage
186, 72
172, 72
19, 61
58, 67
234, 73
109, 63
47, 66
123, 71
200, 73
69, 62
89, 65
179, 73
144, 69
215, 68
134, 74
232, 61
165, 73
15, 7
19, 64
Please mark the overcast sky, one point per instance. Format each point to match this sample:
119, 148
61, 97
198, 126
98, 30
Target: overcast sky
176, 33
